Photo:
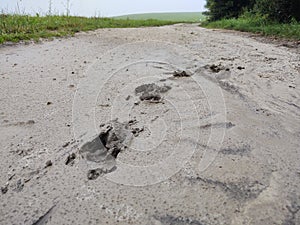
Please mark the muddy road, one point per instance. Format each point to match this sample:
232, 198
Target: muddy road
170, 125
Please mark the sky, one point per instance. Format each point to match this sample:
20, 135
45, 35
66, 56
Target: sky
103, 8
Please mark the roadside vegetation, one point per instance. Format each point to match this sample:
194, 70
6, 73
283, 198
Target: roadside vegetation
279, 18
14, 28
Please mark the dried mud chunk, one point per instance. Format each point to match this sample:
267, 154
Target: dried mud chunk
70, 159
216, 68
150, 97
137, 131
4, 189
93, 174
181, 74
48, 163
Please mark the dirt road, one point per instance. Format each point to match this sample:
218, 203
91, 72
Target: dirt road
169, 125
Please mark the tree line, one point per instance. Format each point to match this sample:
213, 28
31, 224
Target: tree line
275, 10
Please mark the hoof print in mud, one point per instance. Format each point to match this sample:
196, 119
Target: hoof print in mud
151, 92
103, 150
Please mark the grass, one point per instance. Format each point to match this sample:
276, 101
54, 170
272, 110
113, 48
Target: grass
14, 28
177, 16
258, 25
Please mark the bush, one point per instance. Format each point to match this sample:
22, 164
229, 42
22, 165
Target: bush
279, 10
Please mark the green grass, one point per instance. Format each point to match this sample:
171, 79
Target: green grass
176, 16
258, 25
15, 28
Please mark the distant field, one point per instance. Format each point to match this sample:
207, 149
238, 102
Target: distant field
177, 16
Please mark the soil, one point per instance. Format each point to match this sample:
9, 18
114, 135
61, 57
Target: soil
82, 142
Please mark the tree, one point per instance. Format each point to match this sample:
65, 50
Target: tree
223, 9
279, 10
276, 10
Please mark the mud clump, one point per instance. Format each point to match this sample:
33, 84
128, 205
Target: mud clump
181, 74
48, 163
4, 189
103, 150
151, 92
70, 159
150, 97
216, 68
93, 174
137, 131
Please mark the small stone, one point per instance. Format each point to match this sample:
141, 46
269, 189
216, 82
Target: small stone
66, 144
4, 189
30, 122
49, 103
48, 163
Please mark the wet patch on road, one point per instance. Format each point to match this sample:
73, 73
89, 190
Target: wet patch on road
241, 190
226, 125
173, 220
151, 92
242, 150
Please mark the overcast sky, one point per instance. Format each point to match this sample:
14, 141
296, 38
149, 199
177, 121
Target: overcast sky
103, 7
